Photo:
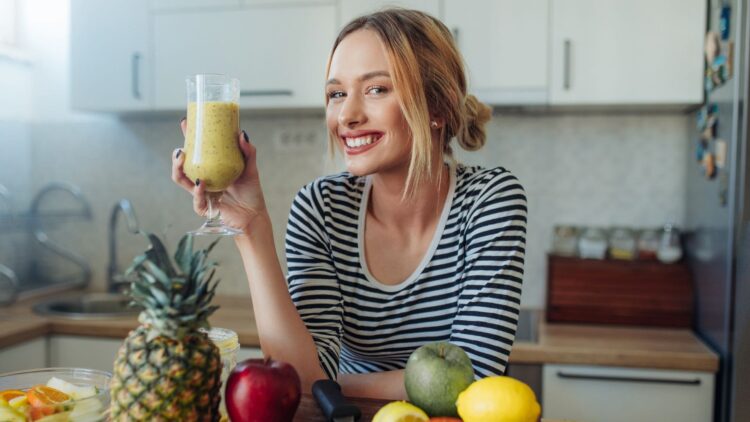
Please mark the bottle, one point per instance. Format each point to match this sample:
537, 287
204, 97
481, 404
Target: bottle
565, 241
228, 343
648, 244
670, 249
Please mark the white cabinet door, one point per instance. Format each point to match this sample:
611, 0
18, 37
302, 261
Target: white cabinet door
249, 353
83, 352
627, 52
278, 53
350, 9
110, 57
591, 393
504, 44
28, 355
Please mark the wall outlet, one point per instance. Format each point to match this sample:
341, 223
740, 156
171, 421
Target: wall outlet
296, 140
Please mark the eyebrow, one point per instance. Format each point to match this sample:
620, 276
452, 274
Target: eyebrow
366, 76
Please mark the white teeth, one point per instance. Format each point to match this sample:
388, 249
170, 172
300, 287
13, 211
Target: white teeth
360, 141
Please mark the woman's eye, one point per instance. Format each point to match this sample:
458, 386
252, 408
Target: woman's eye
335, 94
377, 90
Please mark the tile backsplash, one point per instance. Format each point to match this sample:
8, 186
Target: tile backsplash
585, 169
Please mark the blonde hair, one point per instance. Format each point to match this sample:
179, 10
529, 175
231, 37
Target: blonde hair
428, 75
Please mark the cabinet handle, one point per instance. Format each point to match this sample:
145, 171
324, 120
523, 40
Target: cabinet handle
567, 375
266, 92
455, 33
136, 80
566, 65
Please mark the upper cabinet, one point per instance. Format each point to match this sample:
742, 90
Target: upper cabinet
134, 55
504, 44
646, 52
350, 9
278, 53
110, 55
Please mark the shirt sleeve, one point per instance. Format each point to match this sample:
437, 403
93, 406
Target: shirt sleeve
490, 299
311, 278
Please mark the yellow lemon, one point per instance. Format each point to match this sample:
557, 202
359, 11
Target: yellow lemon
400, 411
498, 399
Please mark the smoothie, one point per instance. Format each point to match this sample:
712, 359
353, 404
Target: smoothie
211, 151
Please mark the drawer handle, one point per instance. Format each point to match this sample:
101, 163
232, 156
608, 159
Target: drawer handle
566, 65
266, 92
135, 82
695, 381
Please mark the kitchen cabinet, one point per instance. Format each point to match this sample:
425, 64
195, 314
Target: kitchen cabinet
597, 393
28, 355
504, 44
83, 352
278, 53
249, 353
110, 55
613, 52
350, 9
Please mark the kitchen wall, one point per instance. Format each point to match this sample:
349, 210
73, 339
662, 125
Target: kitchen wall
577, 168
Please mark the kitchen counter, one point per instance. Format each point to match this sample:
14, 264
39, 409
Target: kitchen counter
637, 347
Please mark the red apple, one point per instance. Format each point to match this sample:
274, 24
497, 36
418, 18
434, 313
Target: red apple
262, 390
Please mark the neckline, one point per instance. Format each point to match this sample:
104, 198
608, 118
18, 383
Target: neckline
430, 250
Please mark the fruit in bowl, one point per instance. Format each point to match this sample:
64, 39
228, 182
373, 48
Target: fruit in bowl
54, 395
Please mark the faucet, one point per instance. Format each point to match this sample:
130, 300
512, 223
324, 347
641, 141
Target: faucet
114, 279
42, 238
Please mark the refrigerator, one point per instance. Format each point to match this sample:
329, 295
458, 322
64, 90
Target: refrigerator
717, 219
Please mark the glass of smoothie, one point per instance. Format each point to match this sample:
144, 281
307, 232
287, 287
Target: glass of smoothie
211, 151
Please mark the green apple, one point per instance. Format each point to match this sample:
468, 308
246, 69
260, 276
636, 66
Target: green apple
435, 375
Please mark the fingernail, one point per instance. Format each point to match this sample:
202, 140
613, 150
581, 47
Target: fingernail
244, 134
179, 151
183, 119
197, 182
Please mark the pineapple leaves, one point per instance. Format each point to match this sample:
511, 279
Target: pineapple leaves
176, 298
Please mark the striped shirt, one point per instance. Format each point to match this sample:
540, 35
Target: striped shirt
466, 290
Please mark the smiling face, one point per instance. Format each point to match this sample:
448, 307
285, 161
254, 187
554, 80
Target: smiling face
363, 112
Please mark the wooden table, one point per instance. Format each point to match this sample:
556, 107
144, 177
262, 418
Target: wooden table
309, 411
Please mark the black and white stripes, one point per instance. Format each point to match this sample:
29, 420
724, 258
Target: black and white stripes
467, 290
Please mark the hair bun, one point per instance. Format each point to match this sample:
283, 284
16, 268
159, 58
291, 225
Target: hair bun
476, 115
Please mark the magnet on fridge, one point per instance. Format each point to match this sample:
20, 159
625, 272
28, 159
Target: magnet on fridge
712, 47
709, 166
701, 117
730, 59
700, 150
725, 17
720, 150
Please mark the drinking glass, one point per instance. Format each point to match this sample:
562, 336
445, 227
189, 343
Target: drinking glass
211, 151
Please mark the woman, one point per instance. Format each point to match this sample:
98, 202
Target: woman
406, 247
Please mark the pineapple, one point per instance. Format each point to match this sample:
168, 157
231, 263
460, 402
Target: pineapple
168, 370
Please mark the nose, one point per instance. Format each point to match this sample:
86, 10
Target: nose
351, 113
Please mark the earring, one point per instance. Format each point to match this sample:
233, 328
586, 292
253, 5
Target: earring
433, 124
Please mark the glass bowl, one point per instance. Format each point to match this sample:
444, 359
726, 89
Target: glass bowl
93, 408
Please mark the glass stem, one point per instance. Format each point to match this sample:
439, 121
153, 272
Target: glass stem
214, 215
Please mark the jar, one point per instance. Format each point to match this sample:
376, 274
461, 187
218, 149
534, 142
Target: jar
593, 243
228, 344
670, 248
565, 241
648, 244
622, 244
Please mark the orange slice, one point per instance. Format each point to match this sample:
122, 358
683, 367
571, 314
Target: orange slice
46, 400
8, 395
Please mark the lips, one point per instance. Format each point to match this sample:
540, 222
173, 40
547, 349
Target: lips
360, 141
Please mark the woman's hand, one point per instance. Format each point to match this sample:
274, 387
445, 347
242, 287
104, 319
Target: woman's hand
242, 202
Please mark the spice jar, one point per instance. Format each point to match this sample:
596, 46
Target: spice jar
565, 241
648, 244
228, 344
593, 243
622, 244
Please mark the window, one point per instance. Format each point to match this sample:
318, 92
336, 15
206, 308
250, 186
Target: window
8, 23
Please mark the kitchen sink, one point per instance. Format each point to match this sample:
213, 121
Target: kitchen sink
528, 326
88, 306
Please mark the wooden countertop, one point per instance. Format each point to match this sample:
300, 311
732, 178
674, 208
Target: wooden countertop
636, 347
